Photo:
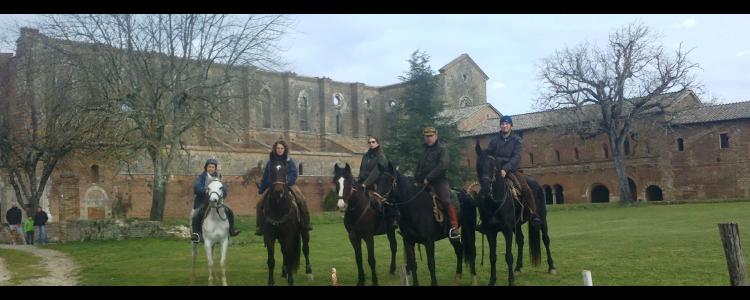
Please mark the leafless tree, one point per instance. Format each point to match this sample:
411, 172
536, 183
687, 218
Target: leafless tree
165, 74
44, 118
603, 90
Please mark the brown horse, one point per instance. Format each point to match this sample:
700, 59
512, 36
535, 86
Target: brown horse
362, 222
282, 224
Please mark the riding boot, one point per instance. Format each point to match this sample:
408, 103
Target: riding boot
259, 217
230, 217
529, 196
455, 231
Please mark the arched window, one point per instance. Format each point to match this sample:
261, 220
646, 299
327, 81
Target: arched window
654, 193
557, 155
599, 194
337, 100
95, 173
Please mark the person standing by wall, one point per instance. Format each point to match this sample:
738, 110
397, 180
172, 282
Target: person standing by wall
40, 222
28, 228
14, 221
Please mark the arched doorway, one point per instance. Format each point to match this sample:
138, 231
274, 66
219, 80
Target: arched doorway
599, 194
559, 197
653, 193
548, 194
633, 190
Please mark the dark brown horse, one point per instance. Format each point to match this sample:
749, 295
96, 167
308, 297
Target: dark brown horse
500, 212
283, 224
418, 225
362, 222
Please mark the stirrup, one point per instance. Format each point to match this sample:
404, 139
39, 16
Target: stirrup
452, 236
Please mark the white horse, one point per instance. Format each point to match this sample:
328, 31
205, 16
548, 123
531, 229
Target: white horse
215, 230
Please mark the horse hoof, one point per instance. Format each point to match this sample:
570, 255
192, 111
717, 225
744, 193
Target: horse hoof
553, 271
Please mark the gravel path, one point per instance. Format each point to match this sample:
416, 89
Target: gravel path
62, 269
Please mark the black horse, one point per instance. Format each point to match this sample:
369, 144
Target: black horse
362, 222
283, 224
499, 211
418, 225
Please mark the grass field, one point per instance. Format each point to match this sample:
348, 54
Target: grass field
644, 244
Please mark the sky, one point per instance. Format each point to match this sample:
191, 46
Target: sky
374, 49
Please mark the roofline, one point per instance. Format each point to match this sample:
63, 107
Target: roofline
464, 55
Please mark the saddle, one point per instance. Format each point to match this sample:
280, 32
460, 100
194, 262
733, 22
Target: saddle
437, 205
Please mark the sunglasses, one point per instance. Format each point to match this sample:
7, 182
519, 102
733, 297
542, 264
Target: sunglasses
371, 142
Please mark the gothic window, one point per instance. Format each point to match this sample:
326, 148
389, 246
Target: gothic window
337, 100
303, 125
338, 122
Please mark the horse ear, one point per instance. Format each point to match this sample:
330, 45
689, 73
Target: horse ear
478, 148
336, 167
348, 167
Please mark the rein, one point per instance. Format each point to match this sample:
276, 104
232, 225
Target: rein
393, 187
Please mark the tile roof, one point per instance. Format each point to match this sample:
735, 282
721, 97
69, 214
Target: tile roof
713, 113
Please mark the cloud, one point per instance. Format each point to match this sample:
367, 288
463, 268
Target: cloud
498, 85
743, 53
688, 23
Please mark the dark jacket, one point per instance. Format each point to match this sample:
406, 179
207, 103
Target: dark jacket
434, 164
291, 172
507, 151
199, 188
13, 216
40, 218
368, 169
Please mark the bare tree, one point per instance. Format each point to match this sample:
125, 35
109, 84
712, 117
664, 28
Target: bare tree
604, 90
44, 118
165, 74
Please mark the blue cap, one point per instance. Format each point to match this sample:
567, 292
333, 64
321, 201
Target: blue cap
507, 119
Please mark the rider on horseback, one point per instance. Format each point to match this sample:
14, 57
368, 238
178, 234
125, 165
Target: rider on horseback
507, 147
369, 173
201, 200
280, 152
432, 171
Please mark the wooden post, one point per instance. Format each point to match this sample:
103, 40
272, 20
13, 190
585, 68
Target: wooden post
730, 238
587, 278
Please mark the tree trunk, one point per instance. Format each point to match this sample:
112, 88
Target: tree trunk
159, 191
730, 238
622, 178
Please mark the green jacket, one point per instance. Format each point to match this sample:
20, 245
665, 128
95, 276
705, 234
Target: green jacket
434, 164
368, 168
28, 225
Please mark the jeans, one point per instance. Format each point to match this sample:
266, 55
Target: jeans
42, 229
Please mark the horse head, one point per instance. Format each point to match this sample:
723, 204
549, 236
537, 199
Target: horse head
215, 192
342, 178
387, 183
486, 171
278, 173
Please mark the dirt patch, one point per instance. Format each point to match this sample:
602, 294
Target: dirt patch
62, 269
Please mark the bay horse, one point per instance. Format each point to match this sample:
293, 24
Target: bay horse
499, 211
418, 225
215, 229
362, 222
282, 223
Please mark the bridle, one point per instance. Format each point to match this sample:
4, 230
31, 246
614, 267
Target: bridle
394, 185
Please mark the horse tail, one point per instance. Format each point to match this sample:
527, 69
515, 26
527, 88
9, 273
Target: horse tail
535, 244
469, 223
294, 256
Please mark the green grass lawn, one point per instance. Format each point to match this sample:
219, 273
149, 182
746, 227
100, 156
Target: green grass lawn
636, 245
22, 266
